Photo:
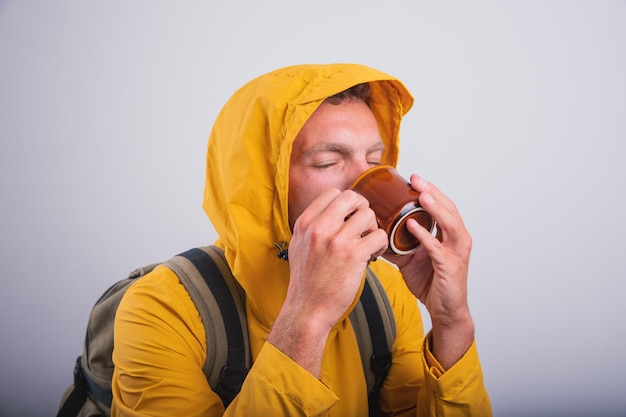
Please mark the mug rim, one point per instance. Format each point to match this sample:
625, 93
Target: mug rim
368, 171
397, 224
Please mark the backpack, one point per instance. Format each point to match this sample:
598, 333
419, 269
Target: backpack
220, 301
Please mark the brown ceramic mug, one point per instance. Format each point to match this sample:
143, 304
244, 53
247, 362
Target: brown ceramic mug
394, 201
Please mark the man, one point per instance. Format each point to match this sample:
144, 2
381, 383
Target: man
281, 157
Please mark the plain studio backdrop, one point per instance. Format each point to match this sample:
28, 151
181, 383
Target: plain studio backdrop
519, 116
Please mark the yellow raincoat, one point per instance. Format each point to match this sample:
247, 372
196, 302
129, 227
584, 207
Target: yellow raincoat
160, 340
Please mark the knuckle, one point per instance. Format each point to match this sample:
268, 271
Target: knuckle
300, 224
317, 232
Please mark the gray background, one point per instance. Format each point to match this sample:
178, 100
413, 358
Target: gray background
520, 116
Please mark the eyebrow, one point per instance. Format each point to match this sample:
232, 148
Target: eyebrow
340, 148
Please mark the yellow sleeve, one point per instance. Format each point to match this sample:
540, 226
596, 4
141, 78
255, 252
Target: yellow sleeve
159, 353
460, 390
416, 380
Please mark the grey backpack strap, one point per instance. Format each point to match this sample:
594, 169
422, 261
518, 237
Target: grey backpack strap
221, 304
375, 327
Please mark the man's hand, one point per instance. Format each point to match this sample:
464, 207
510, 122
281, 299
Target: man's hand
437, 273
333, 240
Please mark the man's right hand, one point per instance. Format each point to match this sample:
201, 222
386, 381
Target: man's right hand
333, 240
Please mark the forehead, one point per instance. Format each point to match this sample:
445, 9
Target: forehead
348, 124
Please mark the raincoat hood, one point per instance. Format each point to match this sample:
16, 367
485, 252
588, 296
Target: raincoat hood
247, 171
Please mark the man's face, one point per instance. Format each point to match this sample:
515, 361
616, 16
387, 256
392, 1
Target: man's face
335, 145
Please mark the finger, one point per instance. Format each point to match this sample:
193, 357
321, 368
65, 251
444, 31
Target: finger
317, 207
363, 227
440, 206
375, 243
336, 212
430, 243
449, 223
361, 222
422, 186
346, 205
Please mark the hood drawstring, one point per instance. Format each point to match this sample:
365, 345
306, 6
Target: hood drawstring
282, 250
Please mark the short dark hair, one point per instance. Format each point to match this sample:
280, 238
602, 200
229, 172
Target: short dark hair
358, 92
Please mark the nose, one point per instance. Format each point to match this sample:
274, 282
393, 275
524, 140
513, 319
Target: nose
355, 170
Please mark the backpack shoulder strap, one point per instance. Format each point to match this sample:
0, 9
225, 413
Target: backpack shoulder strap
220, 301
375, 327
